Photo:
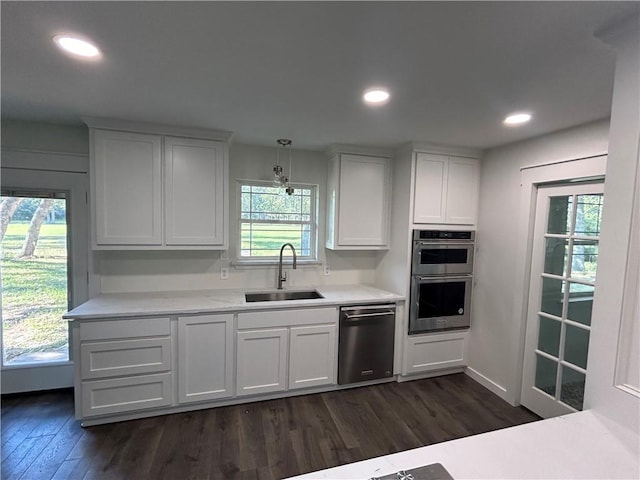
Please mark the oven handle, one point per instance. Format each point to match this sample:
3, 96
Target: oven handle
444, 277
377, 314
453, 244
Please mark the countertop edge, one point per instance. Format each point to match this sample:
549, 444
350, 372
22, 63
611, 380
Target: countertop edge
106, 305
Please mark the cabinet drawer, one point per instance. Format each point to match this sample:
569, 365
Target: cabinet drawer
286, 318
120, 395
125, 357
435, 352
126, 328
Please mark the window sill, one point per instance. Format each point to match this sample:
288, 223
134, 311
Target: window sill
253, 263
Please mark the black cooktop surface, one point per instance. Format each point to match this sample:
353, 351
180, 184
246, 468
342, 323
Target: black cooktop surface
435, 471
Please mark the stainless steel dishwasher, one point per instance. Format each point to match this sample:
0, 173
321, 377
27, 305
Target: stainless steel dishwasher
366, 343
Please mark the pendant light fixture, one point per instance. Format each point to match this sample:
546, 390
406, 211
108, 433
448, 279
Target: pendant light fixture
280, 179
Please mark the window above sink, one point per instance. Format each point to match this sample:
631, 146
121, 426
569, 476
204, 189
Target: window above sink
268, 218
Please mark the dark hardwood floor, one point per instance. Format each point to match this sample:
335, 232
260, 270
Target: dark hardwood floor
263, 440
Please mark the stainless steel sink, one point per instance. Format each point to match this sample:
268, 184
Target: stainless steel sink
282, 295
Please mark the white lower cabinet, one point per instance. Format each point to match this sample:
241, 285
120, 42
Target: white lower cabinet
312, 360
205, 357
144, 366
299, 352
437, 351
262, 361
124, 366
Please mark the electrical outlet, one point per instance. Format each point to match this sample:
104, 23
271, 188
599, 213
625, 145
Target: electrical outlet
224, 255
224, 273
327, 270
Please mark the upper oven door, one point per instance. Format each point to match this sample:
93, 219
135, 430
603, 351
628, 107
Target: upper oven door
442, 258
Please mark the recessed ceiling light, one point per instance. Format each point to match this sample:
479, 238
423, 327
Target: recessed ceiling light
517, 119
376, 96
77, 46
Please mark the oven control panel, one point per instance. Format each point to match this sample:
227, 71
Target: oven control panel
443, 235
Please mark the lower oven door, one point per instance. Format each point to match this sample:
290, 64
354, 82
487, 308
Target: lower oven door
439, 303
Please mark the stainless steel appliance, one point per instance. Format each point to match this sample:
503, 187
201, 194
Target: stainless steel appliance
441, 280
442, 252
366, 340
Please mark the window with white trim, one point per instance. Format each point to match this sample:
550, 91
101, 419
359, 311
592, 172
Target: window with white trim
269, 218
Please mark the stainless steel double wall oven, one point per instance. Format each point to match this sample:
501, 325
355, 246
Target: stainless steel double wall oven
441, 280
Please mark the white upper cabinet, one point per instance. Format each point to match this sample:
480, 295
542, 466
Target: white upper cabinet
359, 195
194, 187
445, 189
430, 193
462, 191
153, 190
126, 184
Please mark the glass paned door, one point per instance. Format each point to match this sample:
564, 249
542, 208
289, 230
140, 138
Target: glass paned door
35, 276
563, 279
39, 285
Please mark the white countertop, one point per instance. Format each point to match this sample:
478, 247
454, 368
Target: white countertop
581, 445
204, 301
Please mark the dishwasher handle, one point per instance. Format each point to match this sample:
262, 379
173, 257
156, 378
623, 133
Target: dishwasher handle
376, 314
389, 306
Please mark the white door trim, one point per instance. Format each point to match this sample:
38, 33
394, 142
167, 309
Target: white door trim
531, 178
531, 397
57, 375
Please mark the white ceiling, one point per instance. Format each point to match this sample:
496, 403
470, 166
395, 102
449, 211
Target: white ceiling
267, 70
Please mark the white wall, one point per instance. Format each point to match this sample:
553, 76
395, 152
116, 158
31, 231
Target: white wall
394, 267
44, 137
622, 171
492, 354
158, 271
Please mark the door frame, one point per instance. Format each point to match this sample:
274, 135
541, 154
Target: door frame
532, 177
538, 402
74, 180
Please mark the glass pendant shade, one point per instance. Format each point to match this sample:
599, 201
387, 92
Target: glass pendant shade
280, 179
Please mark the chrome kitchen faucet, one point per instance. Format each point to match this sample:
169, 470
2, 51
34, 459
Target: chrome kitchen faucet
283, 277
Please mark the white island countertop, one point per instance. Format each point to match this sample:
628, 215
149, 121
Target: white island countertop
122, 305
583, 445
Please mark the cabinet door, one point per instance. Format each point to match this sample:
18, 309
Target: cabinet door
126, 181
194, 194
312, 358
262, 361
364, 201
426, 353
205, 357
462, 191
430, 188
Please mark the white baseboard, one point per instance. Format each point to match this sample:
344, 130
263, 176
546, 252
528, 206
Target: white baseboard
487, 383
